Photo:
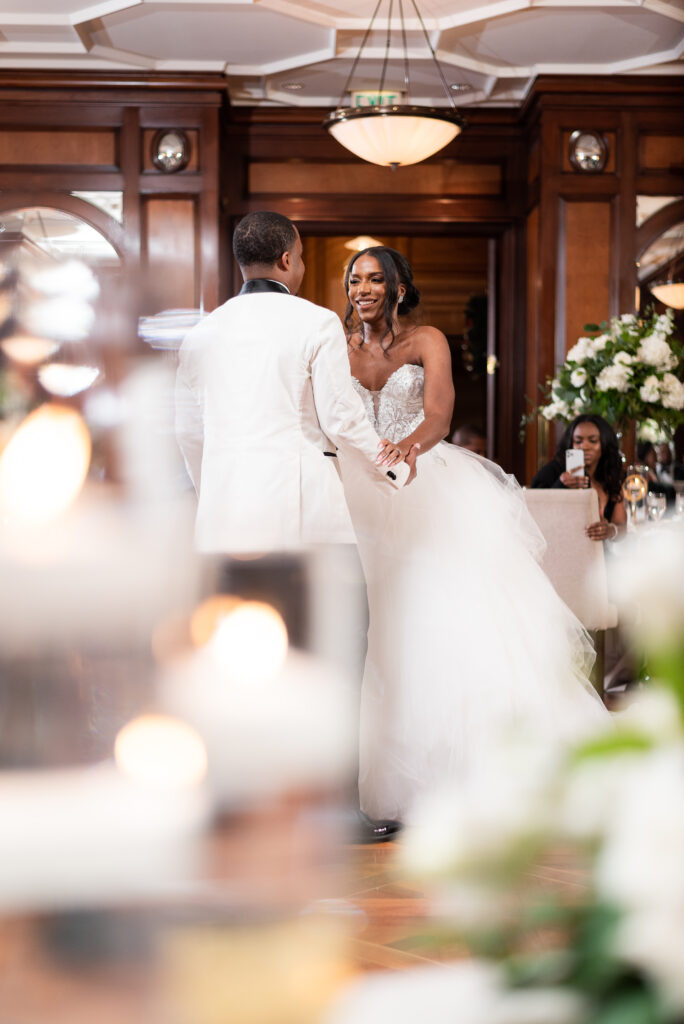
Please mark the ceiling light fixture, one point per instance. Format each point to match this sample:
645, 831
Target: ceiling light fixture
394, 135
671, 293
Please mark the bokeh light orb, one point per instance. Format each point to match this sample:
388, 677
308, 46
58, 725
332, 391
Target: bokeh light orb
159, 750
44, 465
250, 643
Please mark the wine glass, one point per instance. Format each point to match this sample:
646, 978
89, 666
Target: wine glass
634, 489
656, 505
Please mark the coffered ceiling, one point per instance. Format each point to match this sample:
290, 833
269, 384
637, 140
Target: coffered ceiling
300, 52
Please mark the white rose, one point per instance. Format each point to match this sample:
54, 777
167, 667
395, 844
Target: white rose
614, 378
577, 406
649, 431
623, 358
655, 351
600, 342
672, 391
650, 389
578, 377
580, 351
654, 940
627, 318
664, 322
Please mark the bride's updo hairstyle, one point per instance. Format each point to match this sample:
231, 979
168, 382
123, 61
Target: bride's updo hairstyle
396, 270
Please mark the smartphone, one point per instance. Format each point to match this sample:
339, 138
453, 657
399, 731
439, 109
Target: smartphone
574, 461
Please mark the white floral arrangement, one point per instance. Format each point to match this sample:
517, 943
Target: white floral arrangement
627, 370
485, 850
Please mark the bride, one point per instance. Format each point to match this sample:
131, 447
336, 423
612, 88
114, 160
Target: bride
467, 637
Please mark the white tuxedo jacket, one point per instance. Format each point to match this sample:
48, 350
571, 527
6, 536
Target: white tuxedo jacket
263, 392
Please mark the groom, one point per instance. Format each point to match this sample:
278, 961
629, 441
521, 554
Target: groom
264, 399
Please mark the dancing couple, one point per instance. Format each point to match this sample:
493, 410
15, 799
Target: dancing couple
296, 432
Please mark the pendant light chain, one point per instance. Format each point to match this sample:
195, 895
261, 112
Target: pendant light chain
388, 46
448, 92
347, 84
407, 83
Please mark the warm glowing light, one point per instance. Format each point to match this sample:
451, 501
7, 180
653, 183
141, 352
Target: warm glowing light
671, 293
209, 614
361, 242
250, 643
27, 349
393, 136
44, 465
158, 750
67, 379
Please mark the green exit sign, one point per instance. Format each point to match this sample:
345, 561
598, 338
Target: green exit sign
376, 99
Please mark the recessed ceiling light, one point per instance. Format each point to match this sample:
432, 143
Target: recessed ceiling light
292, 86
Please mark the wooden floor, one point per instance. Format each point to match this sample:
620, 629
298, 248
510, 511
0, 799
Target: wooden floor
393, 928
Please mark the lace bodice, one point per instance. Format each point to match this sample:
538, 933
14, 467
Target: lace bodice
397, 409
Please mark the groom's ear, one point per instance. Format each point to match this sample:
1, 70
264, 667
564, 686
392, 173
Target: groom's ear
284, 262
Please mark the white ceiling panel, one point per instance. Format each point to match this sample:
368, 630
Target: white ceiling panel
300, 51
244, 34
560, 36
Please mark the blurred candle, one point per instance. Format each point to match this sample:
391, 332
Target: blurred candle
158, 750
44, 465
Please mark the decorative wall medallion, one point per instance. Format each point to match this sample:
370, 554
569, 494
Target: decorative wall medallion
170, 150
588, 151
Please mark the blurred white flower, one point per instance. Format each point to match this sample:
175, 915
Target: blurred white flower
471, 992
623, 358
672, 392
614, 378
557, 409
71, 278
654, 940
628, 318
655, 351
578, 377
599, 343
63, 319
586, 799
580, 351
647, 585
503, 804
640, 869
650, 389
649, 431
664, 322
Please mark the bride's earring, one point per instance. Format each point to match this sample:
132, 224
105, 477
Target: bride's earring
401, 298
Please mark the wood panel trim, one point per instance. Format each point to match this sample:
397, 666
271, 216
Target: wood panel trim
98, 219
653, 228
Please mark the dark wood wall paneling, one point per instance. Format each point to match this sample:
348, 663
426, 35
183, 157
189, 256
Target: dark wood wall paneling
564, 243
582, 236
78, 132
284, 160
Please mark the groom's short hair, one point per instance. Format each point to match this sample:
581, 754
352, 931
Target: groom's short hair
261, 238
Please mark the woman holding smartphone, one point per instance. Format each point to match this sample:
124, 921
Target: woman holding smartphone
588, 455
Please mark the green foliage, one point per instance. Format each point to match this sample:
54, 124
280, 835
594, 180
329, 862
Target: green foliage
626, 370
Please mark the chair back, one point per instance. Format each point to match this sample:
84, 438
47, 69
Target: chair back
574, 564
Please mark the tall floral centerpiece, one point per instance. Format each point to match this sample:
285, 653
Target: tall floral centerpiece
626, 371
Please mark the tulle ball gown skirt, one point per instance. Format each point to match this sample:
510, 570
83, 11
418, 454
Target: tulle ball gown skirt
468, 640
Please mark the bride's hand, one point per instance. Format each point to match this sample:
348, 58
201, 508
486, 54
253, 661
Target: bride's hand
391, 454
410, 460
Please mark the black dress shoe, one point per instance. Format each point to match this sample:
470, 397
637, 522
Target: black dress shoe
371, 831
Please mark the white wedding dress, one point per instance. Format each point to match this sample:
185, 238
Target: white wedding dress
467, 637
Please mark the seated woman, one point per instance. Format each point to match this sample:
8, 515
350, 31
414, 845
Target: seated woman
603, 471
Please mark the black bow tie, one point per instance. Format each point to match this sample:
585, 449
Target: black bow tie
262, 284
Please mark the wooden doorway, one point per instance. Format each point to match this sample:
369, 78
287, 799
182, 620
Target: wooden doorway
453, 275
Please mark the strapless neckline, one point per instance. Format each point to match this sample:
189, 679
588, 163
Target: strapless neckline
379, 391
